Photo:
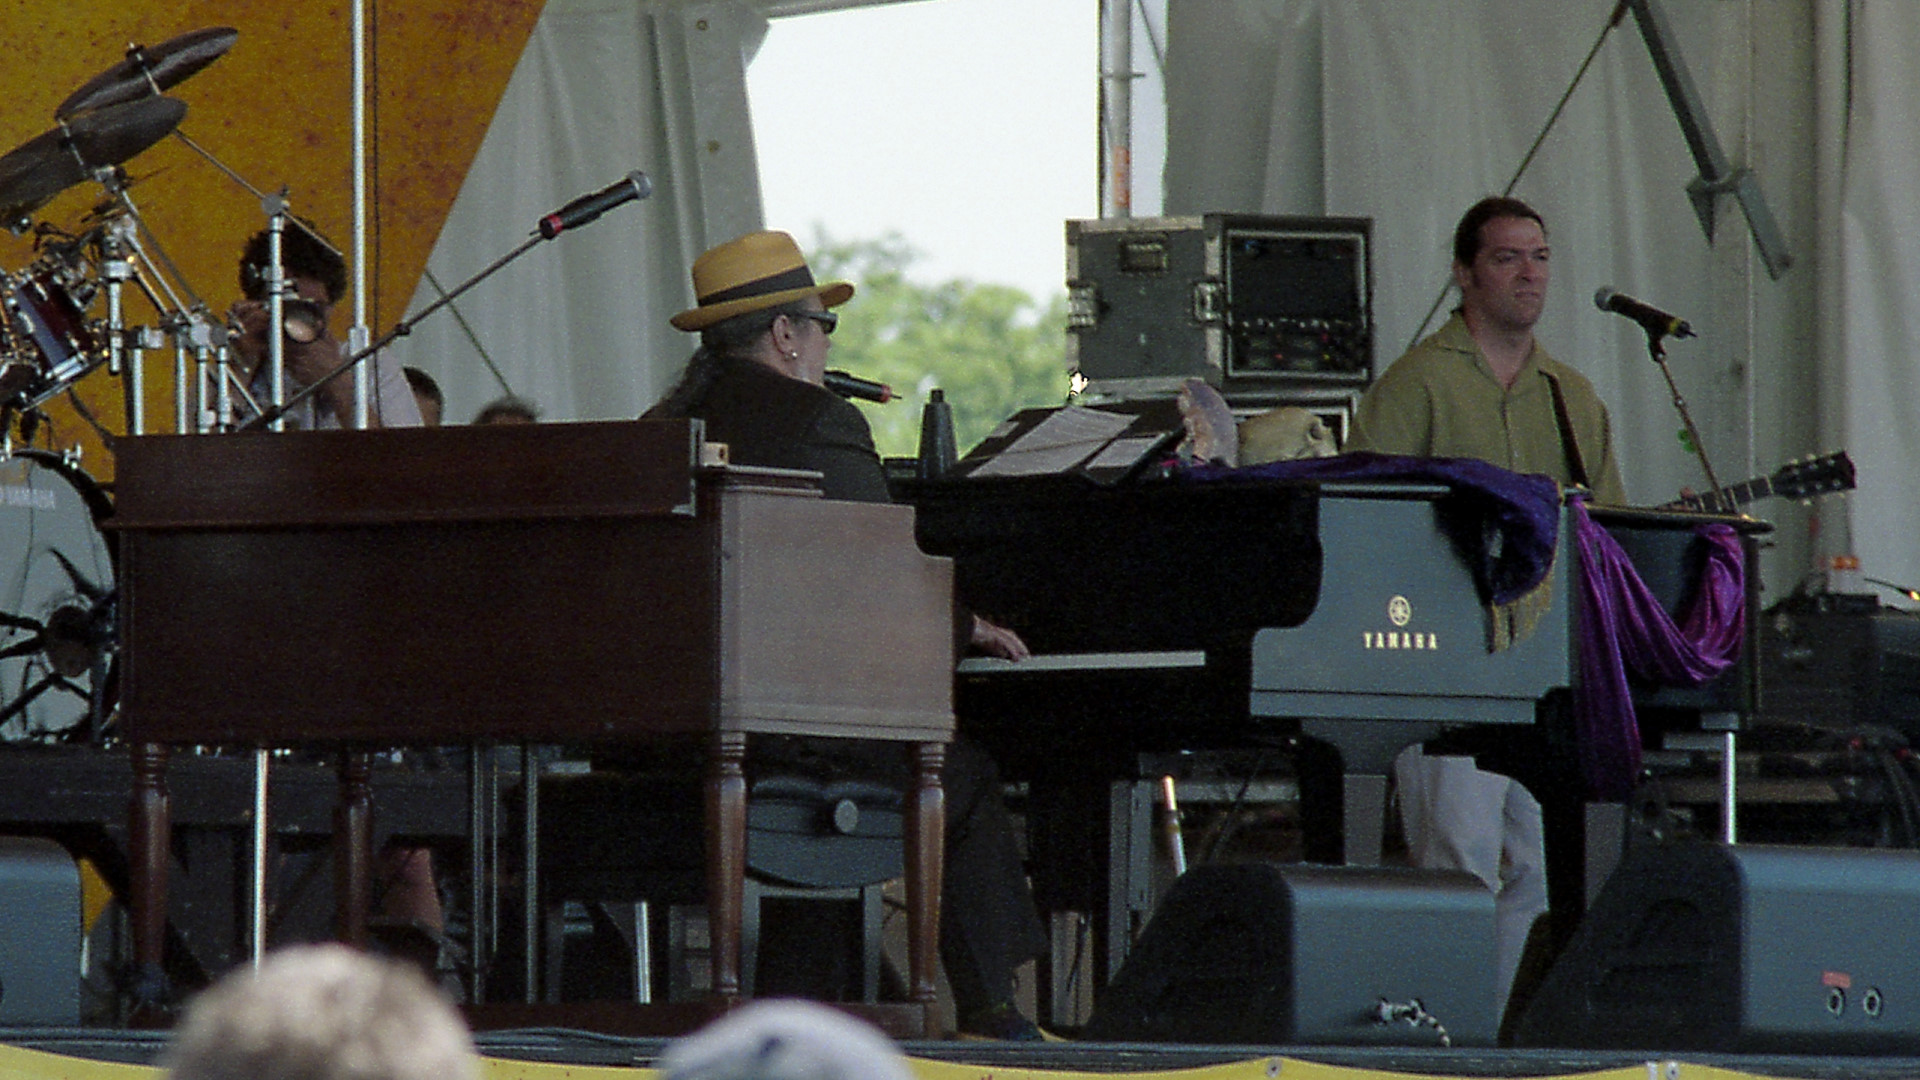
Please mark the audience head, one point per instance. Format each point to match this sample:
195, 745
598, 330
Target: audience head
507, 410
785, 1040
322, 1012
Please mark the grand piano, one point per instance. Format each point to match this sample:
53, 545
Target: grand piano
1332, 623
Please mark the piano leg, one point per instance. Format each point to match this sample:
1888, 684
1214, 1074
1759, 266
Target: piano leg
1365, 750
151, 856
925, 828
726, 857
1363, 814
353, 847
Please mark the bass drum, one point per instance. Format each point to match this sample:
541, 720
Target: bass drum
56, 600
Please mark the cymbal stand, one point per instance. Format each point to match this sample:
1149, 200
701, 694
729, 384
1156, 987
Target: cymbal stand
278, 218
277, 288
117, 269
182, 318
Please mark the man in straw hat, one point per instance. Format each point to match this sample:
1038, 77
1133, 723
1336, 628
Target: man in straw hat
757, 380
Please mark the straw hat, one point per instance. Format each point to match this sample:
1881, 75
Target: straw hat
755, 271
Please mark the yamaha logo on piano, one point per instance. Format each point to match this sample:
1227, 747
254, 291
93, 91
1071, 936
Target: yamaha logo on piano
1399, 613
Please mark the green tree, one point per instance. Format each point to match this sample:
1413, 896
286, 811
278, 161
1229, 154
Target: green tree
992, 349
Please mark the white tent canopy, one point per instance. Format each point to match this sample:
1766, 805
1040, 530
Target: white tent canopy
1403, 111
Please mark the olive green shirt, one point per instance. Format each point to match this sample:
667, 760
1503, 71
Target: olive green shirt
1442, 399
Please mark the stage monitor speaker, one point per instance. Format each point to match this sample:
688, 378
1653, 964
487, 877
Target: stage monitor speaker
40, 934
1257, 953
1746, 949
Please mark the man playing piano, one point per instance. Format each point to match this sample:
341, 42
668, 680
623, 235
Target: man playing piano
1482, 387
757, 380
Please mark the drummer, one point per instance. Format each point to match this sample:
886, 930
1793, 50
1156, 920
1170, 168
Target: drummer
318, 276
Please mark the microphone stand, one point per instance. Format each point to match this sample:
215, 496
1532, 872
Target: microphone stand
400, 330
1657, 352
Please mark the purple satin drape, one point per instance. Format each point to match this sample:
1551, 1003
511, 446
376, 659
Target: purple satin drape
1521, 509
1623, 628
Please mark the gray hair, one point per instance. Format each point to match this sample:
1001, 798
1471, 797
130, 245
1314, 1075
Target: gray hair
322, 1012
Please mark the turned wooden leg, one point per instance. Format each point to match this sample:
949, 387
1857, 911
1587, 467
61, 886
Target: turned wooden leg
925, 827
353, 848
726, 857
150, 825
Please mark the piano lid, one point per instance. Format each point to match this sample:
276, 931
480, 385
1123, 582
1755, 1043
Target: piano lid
1075, 566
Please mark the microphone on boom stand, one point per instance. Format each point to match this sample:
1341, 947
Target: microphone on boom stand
580, 211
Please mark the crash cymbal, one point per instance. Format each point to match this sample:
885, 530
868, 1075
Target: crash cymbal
53, 161
148, 71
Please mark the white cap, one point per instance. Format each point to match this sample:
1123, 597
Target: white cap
785, 1040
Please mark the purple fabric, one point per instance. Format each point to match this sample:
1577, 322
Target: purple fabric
1623, 628
1505, 523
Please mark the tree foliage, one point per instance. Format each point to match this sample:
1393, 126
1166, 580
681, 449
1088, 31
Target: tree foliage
993, 349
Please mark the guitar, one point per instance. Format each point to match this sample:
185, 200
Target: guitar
1800, 480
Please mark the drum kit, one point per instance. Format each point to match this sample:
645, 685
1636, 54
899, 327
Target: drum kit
57, 636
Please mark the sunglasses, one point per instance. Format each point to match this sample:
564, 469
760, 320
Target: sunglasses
827, 320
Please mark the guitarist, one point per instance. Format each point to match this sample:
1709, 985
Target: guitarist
1482, 387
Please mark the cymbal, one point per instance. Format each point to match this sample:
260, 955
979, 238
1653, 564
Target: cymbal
150, 71
53, 161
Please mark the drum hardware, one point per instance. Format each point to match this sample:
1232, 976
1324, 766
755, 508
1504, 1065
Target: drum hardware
55, 160
148, 71
145, 74
76, 639
58, 634
113, 117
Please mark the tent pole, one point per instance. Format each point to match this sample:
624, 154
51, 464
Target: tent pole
1116, 108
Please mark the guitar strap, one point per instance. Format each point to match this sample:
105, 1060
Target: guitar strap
1575, 463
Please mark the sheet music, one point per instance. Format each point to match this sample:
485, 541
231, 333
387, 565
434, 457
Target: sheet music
1057, 443
1122, 453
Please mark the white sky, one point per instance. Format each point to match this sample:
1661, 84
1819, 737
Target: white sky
968, 126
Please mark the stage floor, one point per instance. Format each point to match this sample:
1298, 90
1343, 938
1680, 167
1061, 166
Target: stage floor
87, 1054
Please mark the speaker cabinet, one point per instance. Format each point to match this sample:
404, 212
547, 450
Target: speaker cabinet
1746, 949
1270, 954
40, 934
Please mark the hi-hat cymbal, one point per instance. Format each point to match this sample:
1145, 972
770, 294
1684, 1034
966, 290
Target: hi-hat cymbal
53, 161
150, 71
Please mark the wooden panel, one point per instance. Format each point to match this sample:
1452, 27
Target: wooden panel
834, 622
337, 478
418, 633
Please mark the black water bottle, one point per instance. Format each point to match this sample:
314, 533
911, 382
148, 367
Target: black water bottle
936, 436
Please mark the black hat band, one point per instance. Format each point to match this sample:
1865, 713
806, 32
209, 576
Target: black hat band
798, 278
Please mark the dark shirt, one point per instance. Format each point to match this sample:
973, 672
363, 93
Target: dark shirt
769, 419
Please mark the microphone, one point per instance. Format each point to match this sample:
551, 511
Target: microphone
853, 386
1656, 322
634, 185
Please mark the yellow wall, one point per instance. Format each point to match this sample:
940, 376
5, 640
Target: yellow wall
276, 109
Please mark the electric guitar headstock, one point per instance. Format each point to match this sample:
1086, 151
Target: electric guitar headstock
1800, 480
